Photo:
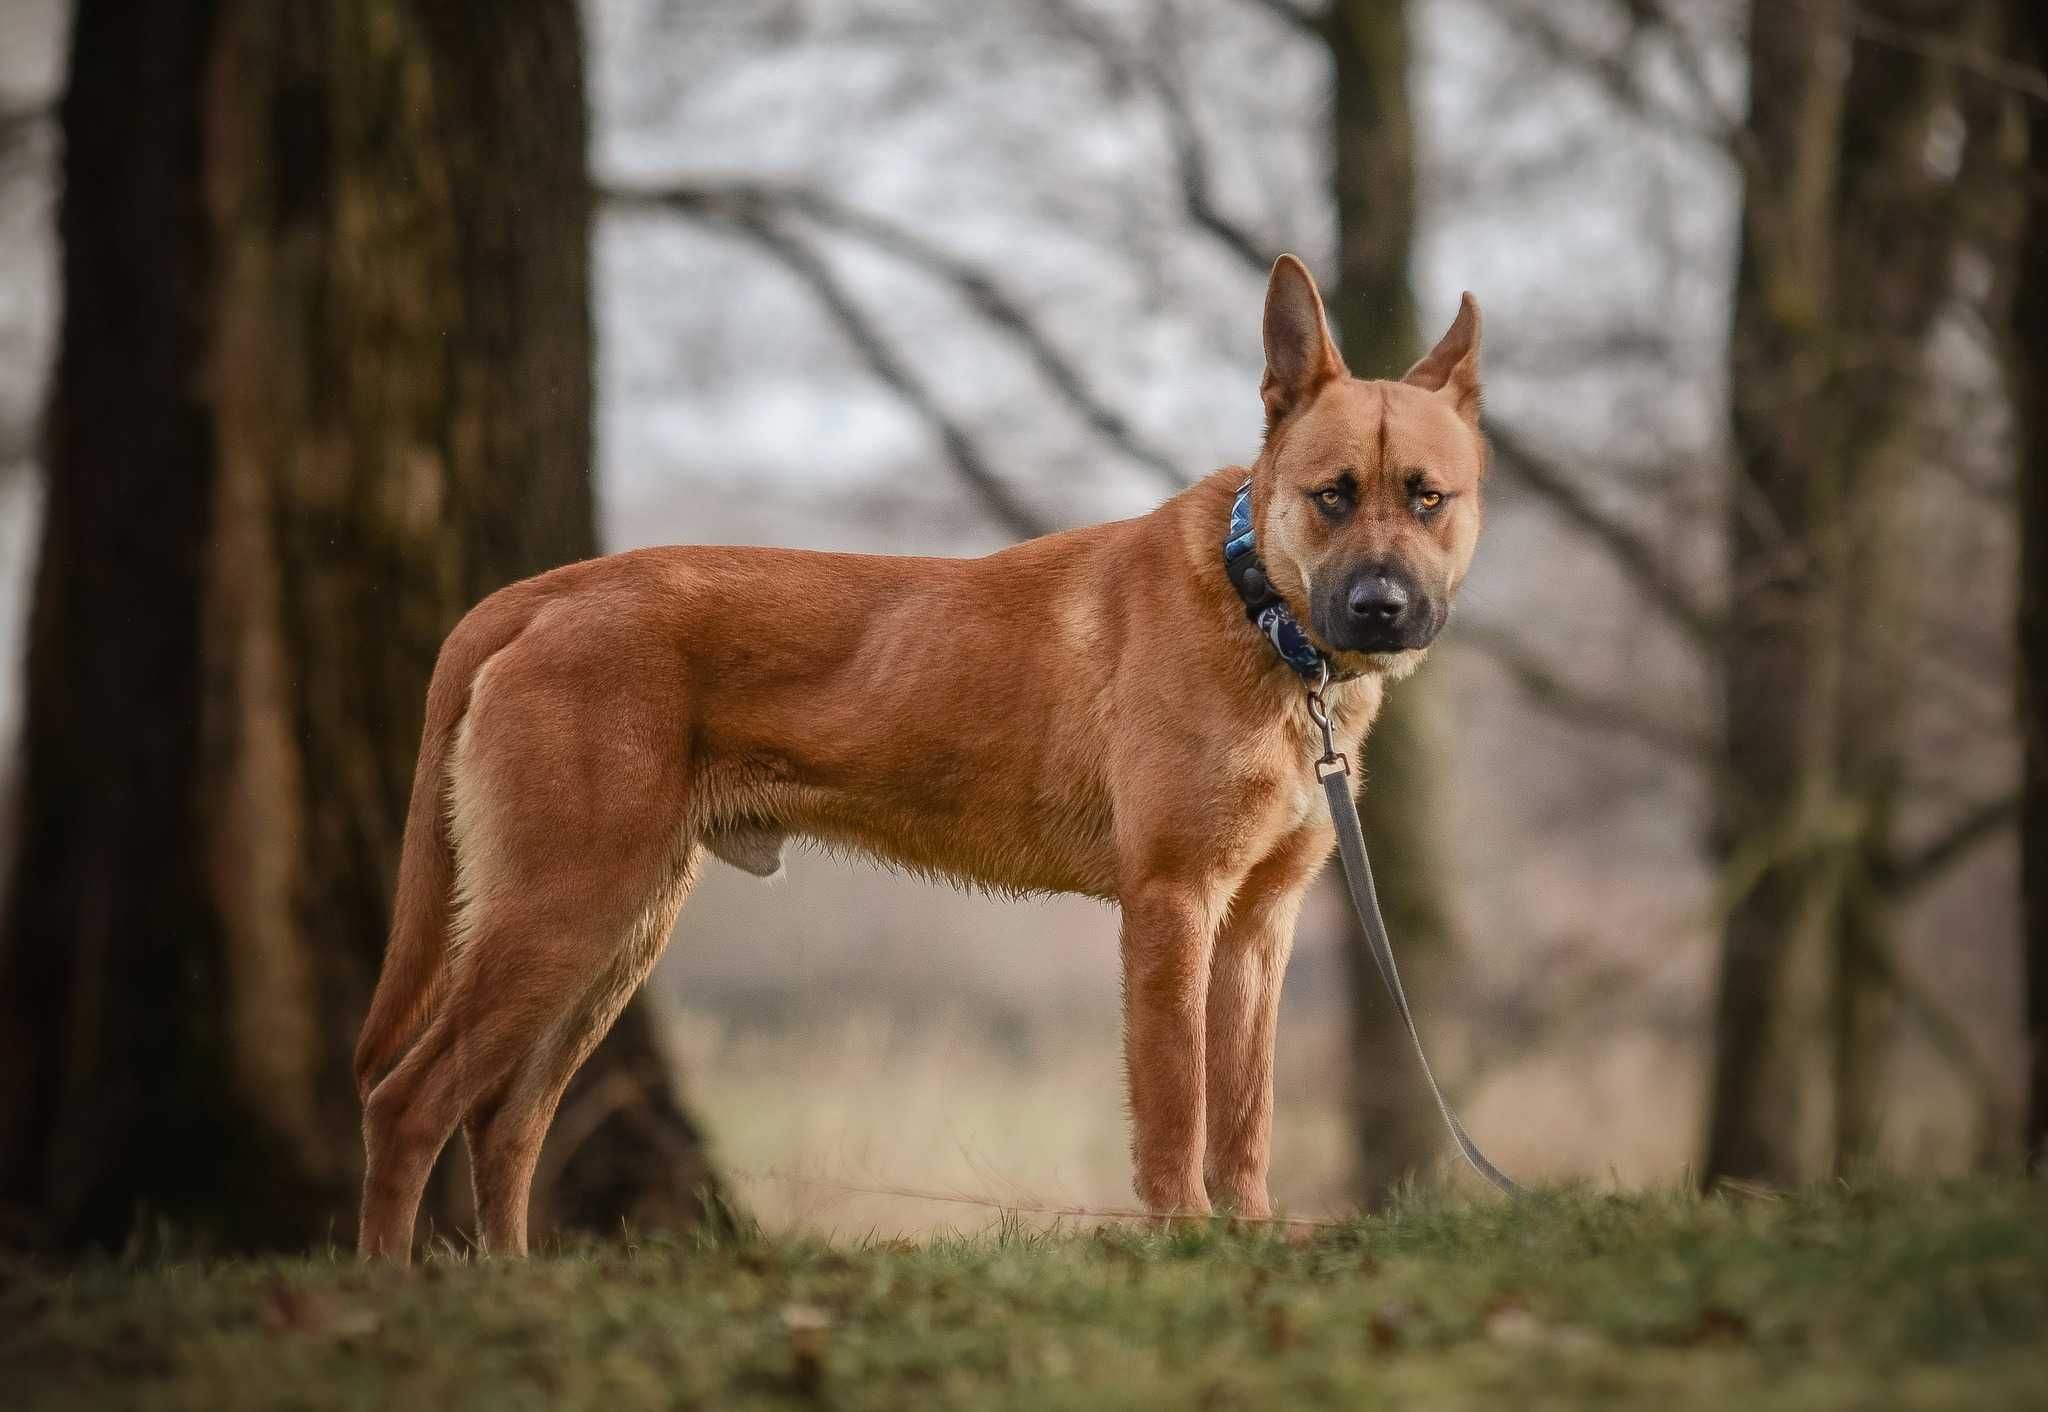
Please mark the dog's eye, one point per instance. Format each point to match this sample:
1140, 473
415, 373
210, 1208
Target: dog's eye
1332, 498
1430, 499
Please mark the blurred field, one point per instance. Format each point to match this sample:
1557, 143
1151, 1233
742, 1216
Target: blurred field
1843, 1296
846, 1027
849, 1027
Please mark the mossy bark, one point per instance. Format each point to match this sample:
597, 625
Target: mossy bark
324, 381
2027, 387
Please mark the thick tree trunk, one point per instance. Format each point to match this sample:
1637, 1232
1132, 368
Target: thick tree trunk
324, 381
2027, 382
1374, 177
1848, 236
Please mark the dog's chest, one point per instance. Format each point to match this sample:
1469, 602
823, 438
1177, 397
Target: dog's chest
1272, 780
1276, 768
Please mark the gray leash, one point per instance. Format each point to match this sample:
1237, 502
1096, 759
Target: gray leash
1334, 770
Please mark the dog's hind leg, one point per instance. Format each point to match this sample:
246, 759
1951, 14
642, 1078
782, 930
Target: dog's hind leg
506, 1130
471, 1045
540, 980
567, 816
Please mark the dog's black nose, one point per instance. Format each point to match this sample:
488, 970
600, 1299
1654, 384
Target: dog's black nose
1376, 601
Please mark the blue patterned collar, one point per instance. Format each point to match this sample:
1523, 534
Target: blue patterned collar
1267, 610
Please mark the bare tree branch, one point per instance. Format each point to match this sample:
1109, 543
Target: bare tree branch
19, 130
959, 445
17, 123
1006, 314
1583, 706
1635, 555
1616, 72
1301, 17
1571, 352
17, 446
1909, 873
1190, 152
749, 218
972, 285
1950, 1038
2020, 78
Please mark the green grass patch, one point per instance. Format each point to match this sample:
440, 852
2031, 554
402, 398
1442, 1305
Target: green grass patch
1860, 1295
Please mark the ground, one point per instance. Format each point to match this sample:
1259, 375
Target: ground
1851, 1295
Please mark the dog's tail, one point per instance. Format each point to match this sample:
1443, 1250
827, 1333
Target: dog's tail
413, 972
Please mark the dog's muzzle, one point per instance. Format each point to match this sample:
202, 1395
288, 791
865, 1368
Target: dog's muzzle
1376, 610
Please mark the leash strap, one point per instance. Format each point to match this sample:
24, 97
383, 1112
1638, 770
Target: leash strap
1270, 614
1335, 772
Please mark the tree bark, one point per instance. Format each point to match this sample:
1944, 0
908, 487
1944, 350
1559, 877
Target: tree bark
1848, 237
324, 381
1374, 310
2027, 384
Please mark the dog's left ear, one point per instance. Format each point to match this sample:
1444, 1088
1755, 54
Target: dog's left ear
1452, 367
1300, 356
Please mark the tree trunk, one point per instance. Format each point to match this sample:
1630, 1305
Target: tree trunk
2027, 382
1848, 237
324, 381
1374, 309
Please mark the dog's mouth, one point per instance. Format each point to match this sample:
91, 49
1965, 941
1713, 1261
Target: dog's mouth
1393, 665
1383, 646
1378, 614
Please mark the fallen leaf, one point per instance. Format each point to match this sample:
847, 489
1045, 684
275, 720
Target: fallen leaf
1716, 1324
1391, 1324
808, 1327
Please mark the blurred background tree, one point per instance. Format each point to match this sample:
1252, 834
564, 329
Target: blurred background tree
1373, 160
1853, 217
324, 380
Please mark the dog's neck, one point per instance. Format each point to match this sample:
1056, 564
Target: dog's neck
1265, 607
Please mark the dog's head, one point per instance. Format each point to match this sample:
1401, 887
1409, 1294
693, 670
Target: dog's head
1366, 497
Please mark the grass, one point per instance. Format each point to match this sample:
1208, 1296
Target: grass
1877, 1294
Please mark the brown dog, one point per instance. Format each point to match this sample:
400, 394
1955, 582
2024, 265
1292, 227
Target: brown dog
1089, 712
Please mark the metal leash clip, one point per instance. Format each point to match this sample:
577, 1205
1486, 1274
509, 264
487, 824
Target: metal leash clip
1333, 761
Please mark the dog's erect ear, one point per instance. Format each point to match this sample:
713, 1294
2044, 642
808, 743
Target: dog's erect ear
1299, 354
1452, 367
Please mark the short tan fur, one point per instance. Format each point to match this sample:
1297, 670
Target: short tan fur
1087, 712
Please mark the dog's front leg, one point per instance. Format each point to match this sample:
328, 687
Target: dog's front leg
1168, 934
1244, 1009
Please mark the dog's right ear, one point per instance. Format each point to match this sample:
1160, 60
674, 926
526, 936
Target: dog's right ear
1300, 356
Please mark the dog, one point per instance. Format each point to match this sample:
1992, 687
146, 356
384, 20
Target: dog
1093, 711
